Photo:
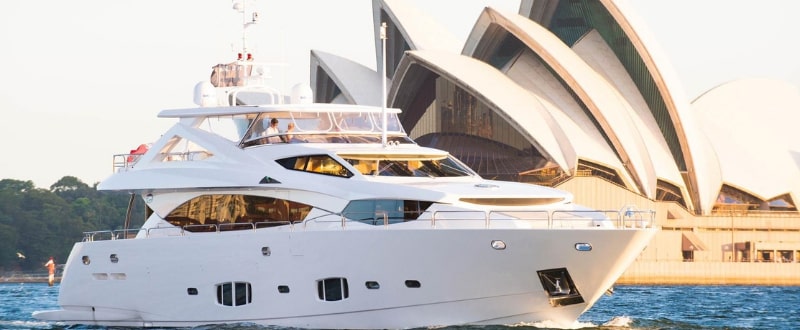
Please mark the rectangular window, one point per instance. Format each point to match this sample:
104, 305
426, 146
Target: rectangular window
333, 289
234, 293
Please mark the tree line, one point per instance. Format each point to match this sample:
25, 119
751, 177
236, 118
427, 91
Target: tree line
37, 223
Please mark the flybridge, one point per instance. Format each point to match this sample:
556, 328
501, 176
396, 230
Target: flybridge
321, 125
255, 109
295, 123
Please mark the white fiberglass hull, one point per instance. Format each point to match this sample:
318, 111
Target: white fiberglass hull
461, 277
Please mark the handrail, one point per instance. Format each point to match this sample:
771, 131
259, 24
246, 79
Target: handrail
126, 233
373, 218
124, 162
624, 219
91, 236
322, 137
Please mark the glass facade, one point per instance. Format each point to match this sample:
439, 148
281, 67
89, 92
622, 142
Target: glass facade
573, 19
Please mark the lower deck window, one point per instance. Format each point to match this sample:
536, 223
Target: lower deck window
222, 212
385, 211
333, 289
234, 293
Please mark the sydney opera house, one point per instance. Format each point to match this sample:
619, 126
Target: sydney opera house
577, 95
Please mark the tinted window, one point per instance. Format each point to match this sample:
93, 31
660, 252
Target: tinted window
232, 212
234, 293
333, 289
374, 211
444, 167
321, 164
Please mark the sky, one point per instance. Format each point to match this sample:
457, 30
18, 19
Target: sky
84, 80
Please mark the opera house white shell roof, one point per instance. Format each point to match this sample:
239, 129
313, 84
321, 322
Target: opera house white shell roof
752, 124
583, 84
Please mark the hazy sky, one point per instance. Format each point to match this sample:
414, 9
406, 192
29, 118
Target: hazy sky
84, 80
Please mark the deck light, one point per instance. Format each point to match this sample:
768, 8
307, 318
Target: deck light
498, 245
583, 247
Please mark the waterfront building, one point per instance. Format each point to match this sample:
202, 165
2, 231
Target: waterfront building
577, 95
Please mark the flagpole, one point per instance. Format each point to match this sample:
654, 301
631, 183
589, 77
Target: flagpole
383, 82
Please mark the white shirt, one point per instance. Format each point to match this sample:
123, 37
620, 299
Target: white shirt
272, 135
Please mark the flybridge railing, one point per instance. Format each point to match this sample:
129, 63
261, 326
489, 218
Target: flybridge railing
511, 219
124, 162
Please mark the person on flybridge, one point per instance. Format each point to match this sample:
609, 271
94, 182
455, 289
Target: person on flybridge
273, 131
289, 133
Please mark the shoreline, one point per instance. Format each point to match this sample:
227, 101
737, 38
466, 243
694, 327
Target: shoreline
648, 272
27, 279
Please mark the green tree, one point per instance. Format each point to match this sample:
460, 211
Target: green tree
16, 185
41, 223
38, 225
8, 245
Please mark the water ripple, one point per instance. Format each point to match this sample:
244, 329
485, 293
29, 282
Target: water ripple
631, 307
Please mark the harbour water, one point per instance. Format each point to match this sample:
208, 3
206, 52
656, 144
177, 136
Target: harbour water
630, 307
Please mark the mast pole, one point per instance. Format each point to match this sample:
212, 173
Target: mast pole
241, 7
383, 83
244, 28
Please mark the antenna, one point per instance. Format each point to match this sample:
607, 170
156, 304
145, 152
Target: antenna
239, 5
383, 82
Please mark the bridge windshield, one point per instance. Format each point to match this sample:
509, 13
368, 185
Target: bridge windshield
322, 127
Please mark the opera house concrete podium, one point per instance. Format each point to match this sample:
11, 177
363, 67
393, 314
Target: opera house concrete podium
577, 94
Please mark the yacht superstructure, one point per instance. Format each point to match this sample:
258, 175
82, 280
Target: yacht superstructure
325, 226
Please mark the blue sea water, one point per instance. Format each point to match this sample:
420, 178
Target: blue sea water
630, 307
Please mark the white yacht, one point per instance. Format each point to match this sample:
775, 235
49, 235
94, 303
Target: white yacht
341, 221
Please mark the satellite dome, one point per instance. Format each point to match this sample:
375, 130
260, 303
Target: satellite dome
301, 93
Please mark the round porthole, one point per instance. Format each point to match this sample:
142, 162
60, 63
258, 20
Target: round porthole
86, 260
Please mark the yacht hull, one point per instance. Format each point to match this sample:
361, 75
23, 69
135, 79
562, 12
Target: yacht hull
395, 278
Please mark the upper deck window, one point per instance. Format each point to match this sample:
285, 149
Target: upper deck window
322, 164
424, 167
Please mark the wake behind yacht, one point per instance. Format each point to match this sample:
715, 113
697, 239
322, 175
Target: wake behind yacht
283, 212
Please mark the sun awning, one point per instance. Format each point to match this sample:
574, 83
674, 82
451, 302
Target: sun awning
690, 242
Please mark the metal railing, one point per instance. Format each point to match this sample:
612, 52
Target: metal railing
625, 218
124, 162
496, 219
